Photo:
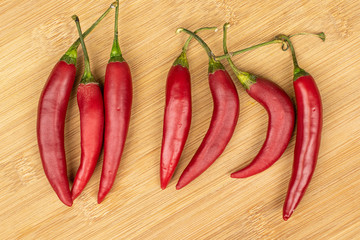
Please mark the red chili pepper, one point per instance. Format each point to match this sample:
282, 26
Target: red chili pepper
308, 134
223, 121
117, 100
281, 117
51, 118
177, 117
91, 109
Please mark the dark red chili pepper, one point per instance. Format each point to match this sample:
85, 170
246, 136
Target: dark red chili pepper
223, 121
177, 117
308, 134
51, 118
50, 127
281, 117
91, 107
117, 100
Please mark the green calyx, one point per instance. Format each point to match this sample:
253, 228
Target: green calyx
215, 65
246, 79
116, 55
116, 59
299, 72
70, 56
182, 60
87, 78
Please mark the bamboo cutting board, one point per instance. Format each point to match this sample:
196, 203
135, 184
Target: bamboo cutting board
35, 34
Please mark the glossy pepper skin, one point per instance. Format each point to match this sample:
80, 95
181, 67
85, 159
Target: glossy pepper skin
280, 125
221, 129
308, 137
280, 111
308, 132
223, 120
118, 101
51, 117
50, 127
177, 120
91, 108
177, 116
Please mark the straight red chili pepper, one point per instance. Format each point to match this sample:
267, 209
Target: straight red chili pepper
281, 117
223, 120
117, 100
177, 116
51, 118
308, 134
91, 107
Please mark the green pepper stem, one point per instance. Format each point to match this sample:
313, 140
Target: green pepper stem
182, 59
298, 72
214, 64
186, 45
202, 43
115, 50
87, 32
228, 55
235, 69
321, 35
246, 79
87, 73
71, 53
276, 40
287, 39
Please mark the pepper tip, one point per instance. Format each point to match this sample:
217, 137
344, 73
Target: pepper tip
241, 174
163, 185
68, 203
287, 215
74, 195
100, 198
66, 199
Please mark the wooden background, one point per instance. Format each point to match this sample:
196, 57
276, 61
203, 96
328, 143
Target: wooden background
35, 34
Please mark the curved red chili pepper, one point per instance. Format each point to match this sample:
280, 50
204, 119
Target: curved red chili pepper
51, 118
50, 127
308, 135
117, 100
223, 120
177, 116
281, 117
91, 107
280, 125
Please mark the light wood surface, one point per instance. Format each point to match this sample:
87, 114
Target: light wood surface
35, 34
